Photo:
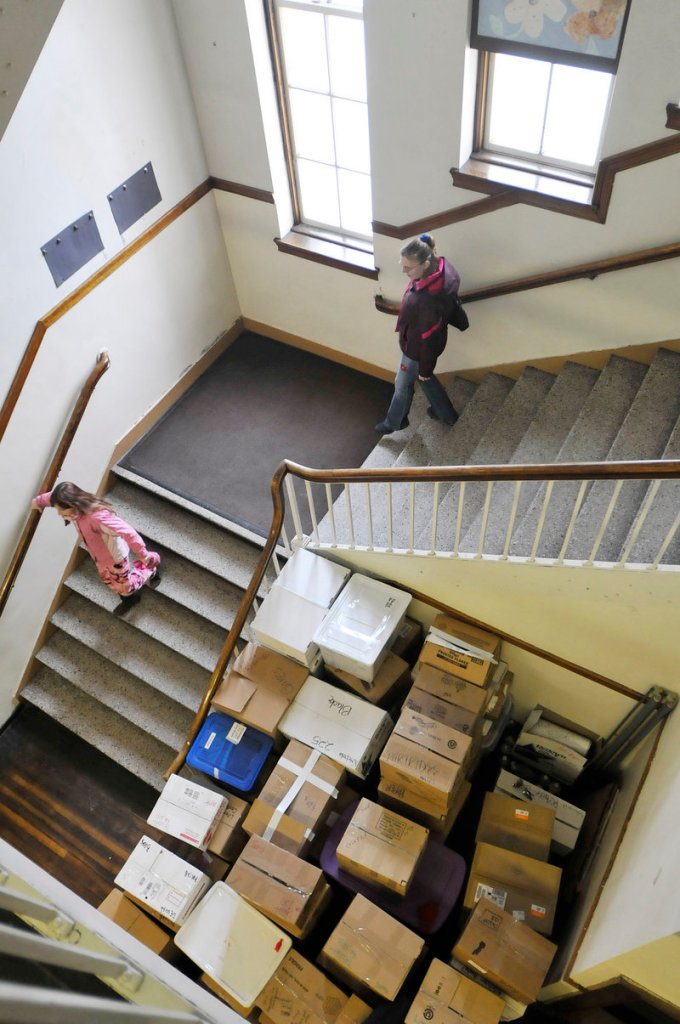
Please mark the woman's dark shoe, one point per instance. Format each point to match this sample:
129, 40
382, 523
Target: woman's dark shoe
126, 603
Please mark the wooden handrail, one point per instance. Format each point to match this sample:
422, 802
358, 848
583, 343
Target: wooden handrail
101, 366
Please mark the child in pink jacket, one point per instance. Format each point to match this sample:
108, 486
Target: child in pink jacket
109, 541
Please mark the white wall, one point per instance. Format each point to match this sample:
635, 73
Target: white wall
109, 93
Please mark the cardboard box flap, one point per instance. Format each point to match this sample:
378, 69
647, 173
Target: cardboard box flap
470, 638
271, 669
234, 692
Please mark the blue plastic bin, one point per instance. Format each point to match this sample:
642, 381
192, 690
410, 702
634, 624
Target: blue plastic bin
229, 751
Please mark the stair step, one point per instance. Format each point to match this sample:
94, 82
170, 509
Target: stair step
126, 744
644, 434
661, 516
118, 642
156, 616
589, 440
117, 690
541, 443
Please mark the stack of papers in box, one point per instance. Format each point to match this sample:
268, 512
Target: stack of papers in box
187, 811
162, 880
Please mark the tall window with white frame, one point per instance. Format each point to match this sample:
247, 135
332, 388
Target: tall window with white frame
321, 57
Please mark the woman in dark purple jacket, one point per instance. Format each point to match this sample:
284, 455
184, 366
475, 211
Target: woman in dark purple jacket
422, 325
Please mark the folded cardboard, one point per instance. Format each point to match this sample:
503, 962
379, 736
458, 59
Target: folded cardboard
382, 847
132, 919
232, 942
339, 724
400, 798
505, 951
448, 997
161, 880
433, 735
463, 649
285, 888
296, 799
433, 777
228, 839
408, 640
300, 993
513, 824
361, 625
260, 687
286, 623
187, 811
390, 680
313, 577
525, 887
371, 952
568, 818
442, 710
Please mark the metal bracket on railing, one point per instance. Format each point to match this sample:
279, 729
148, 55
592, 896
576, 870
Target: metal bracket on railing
131, 979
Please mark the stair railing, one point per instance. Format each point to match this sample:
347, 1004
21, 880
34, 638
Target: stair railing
339, 520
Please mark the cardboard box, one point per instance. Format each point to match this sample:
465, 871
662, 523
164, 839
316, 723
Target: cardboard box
381, 846
313, 577
399, 798
568, 818
296, 799
299, 993
355, 1011
558, 746
339, 724
361, 625
371, 952
434, 736
465, 650
513, 824
522, 886
162, 881
448, 997
247, 1012
259, 688
280, 885
286, 623
187, 811
391, 679
408, 640
453, 715
118, 908
228, 839
505, 951
433, 777
451, 688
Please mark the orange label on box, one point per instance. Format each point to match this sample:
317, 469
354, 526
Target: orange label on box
521, 815
537, 911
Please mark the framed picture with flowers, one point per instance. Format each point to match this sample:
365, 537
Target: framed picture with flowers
584, 33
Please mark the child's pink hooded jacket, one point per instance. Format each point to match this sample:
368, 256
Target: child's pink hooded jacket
107, 537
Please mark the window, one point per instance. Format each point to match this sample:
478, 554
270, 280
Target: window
324, 106
549, 114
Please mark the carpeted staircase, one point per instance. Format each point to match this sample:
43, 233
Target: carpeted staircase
130, 686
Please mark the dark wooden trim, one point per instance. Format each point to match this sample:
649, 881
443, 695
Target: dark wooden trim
477, 176
249, 191
23, 369
331, 254
673, 116
498, 199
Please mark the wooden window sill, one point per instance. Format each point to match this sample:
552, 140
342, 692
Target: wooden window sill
331, 254
533, 183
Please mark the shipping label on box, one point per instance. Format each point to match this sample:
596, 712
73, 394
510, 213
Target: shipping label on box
187, 811
513, 824
433, 735
523, 886
447, 997
505, 951
382, 847
432, 776
168, 884
340, 725
300, 993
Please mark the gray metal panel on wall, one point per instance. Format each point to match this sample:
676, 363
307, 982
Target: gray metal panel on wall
72, 248
134, 198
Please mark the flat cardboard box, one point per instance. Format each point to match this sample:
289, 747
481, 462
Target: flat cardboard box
162, 881
399, 798
259, 687
474, 655
433, 777
381, 846
286, 623
446, 996
299, 993
228, 839
392, 677
408, 640
316, 578
339, 724
568, 818
187, 811
296, 799
524, 887
371, 952
280, 885
435, 736
505, 951
514, 824
132, 919
453, 715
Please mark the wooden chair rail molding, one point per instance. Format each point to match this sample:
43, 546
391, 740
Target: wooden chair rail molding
590, 270
100, 368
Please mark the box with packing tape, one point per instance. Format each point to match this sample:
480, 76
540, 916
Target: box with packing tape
400, 798
465, 650
568, 818
447, 699
448, 997
300, 993
525, 887
382, 847
513, 824
259, 687
433, 777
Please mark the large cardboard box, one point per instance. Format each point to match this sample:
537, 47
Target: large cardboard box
451, 688
568, 818
132, 919
355, 1011
433, 777
516, 825
464, 650
370, 952
162, 881
381, 846
286, 623
400, 798
339, 724
435, 736
299, 993
524, 887
431, 704
228, 839
448, 997
296, 799
259, 688
390, 680
285, 888
505, 951
187, 811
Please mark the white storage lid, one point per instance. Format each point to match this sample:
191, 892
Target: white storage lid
287, 622
363, 618
313, 577
233, 943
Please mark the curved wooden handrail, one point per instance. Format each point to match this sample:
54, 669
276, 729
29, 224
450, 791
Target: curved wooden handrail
101, 366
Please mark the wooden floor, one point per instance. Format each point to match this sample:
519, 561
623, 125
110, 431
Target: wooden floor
66, 806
